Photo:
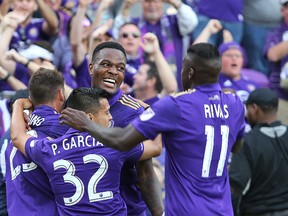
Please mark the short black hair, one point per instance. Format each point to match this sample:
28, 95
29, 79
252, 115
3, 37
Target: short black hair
44, 84
107, 44
86, 99
207, 60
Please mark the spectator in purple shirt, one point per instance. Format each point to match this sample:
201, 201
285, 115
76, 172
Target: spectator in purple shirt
200, 127
276, 51
33, 29
173, 30
27, 185
229, 13
130, 38
232, 61
84, 174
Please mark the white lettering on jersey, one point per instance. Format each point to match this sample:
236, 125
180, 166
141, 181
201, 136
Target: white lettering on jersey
216, 111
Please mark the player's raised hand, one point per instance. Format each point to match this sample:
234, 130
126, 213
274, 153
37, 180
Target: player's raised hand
75, 118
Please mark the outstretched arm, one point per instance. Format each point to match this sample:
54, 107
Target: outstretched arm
18, 125
118, 138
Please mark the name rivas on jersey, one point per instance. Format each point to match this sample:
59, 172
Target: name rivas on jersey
75, 142
216, 111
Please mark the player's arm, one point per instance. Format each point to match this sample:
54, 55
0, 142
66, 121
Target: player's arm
118, 138
237, 146
18, 124
150, 187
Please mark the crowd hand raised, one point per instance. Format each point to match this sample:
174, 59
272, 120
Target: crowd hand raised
17, 17
227, 36
105, 4
3, 73
85, 3
15, 56
102, 29
214, 26
74, 118
129, 3
150, 43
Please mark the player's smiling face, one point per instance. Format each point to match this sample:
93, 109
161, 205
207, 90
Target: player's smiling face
108, 69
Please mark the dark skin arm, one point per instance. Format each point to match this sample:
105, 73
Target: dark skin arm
150, 187
122, 139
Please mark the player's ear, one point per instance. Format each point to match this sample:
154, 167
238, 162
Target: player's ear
190, 73
90, 116
61, 94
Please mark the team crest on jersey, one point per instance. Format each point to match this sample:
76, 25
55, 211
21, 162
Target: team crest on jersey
33, 32
251, 87
147, 114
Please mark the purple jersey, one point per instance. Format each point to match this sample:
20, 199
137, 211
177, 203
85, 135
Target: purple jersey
27, 185
124, 109
80, 170
132, 67
242, 86
199, 128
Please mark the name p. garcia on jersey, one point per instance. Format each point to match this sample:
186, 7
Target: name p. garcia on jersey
75, 142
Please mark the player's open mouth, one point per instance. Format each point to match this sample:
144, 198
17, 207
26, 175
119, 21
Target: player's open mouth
109, 81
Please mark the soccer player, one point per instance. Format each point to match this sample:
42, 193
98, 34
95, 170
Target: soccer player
138, 181
84, 174
200, 127
27, 185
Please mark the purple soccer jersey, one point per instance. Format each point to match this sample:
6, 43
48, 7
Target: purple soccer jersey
242, 86
124, 109
27, 185
199, 128
84, 174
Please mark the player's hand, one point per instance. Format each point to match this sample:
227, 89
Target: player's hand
74, 118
